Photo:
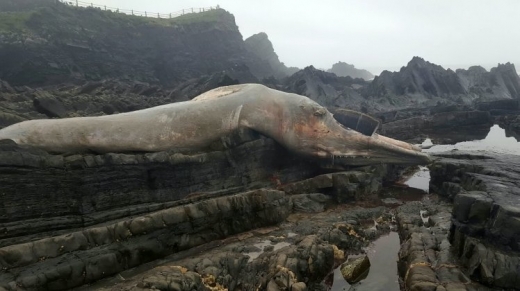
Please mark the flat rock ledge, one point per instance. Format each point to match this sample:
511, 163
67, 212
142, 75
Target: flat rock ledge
485, 228
81, 257
70, 220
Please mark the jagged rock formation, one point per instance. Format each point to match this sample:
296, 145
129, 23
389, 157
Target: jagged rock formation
342, 69
485, 228
417, 89
325, 88
501, 82
59, 43
422, 78
260, 45
418, 77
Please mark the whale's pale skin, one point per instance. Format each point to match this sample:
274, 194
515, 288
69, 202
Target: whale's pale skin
296, 122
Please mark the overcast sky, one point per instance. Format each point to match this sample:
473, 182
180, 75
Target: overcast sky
372, 34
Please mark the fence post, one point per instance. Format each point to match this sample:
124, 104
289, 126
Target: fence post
191, 10
145, 14
76, 3
132, 11
91, 4
105, 8
170, 16
182, 11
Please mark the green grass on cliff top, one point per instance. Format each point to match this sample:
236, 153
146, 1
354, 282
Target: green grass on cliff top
14, 21
207, 16
20, 22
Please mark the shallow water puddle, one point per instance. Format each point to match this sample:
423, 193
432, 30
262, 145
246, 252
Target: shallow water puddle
383, 267
496, 141
420, 179
383, 252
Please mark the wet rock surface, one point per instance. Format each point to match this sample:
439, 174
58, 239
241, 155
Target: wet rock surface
485, 229
279, 229
467, 123
355, 269
90, 189
426, 261
296, 255
113, 212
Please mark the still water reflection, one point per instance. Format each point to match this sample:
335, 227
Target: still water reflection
496, 142
383, 251
383, 270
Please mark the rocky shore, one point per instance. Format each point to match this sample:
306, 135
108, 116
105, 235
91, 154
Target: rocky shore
245, 214
86, 217
271, 232
485, 227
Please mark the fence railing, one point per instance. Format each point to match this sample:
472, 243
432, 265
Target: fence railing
77, 3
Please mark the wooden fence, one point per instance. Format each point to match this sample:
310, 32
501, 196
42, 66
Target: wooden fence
78, 3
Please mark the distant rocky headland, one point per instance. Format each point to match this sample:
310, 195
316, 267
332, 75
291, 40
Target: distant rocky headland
342, 69
246, 214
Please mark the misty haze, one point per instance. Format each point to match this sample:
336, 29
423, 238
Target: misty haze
259, 145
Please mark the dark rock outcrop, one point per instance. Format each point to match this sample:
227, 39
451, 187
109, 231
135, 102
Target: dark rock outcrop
511, 124
93, 253
342, 69
91, 189
260, 45
485, 225
422, 78
114, 211
104, 97
342, 186
325, 88
501, 82
418, 128
61, 43
426, 261
295, 255
418, 77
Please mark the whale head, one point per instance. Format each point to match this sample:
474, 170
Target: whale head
313, 131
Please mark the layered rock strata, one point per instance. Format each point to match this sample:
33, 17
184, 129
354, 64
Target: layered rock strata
485, 228
426, 261
68, 220
295, 255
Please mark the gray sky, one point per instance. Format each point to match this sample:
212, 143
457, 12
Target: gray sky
372, 34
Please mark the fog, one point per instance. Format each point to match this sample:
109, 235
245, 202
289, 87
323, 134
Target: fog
375, 34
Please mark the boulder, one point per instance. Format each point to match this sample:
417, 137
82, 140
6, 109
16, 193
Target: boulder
355, 269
